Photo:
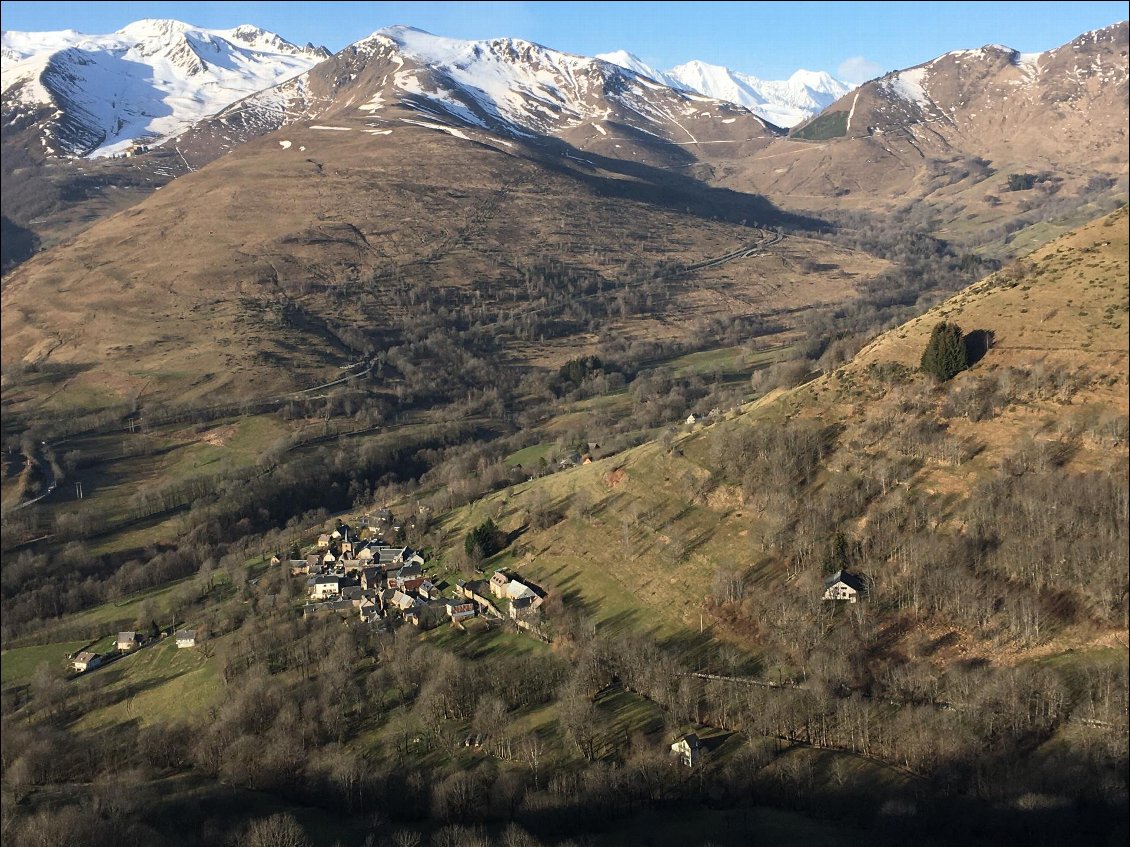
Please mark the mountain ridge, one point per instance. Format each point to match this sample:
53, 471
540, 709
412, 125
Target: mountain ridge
784, 103
95, 95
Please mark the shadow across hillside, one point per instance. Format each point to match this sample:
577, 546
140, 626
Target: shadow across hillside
977, 344
665, 188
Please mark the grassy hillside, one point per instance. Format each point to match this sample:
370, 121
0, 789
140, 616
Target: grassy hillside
647, 534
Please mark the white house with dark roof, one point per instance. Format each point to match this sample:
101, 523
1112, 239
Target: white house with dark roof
325, 586
843, 586
688, 748
186, 638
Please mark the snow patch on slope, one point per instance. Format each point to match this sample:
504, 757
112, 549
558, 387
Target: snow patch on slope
909, 86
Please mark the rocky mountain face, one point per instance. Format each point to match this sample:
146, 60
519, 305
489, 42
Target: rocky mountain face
504, 88
96, 95
75, 105
988, 138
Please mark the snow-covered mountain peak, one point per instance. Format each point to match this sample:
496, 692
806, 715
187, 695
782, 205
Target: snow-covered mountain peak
145, 82
784, 102
634, 63
148, 28
821, 81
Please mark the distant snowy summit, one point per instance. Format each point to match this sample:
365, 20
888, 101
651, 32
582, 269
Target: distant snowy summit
785, 103
99, 94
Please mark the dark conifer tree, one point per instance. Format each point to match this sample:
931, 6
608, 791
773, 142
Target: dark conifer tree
945, 356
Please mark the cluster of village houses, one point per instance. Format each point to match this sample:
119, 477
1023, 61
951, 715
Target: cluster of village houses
353, 574
356, 573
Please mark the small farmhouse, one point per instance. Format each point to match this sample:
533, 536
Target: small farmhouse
688, 749
843, 586
186, 638
85, 661
127, 641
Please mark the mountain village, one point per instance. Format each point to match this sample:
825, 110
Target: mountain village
466, 442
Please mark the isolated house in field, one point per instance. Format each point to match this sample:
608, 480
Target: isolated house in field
186, 638
688, 748
85, 661
570, 461
127, 641
843, 586
691, 420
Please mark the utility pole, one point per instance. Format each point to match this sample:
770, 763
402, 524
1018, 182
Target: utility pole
78, 490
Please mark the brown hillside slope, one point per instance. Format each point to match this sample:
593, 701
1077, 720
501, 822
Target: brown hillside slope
244, 276
990, 513
952, 131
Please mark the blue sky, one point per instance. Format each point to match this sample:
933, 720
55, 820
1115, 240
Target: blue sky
770, 40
